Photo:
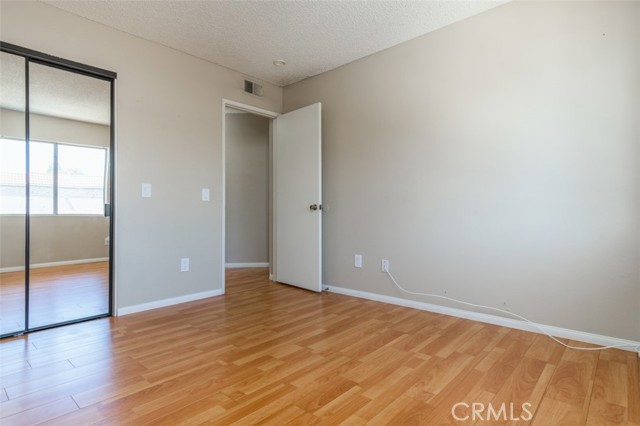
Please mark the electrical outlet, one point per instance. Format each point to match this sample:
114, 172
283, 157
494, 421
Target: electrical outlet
384, 265
184, 264
357, 261
106, 241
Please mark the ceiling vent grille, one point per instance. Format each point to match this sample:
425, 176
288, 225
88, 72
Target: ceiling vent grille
253, 88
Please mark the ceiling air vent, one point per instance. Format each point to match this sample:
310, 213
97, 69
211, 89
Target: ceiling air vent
253, 88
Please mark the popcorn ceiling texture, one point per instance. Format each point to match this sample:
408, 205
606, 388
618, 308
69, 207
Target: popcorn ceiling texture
312, 36
54, 92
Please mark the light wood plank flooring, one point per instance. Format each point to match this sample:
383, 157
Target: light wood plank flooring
267, 353
57, 294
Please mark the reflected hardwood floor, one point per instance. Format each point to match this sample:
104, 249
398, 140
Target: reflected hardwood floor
57, 294
267, 353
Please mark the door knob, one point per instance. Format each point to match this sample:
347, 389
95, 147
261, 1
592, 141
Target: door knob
315, 207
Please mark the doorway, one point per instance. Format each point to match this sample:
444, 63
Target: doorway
56, 191
295, 194
247, 187
248, 183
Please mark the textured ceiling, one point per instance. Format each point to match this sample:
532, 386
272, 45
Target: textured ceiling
247, 36
54, 92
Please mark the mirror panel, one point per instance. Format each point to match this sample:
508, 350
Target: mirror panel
69, 233
13, 199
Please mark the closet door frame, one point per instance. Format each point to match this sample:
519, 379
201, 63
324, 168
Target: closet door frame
32, 56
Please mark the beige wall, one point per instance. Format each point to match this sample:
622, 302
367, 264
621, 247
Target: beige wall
53, 129
247, 188
497, 159
168, 133
53, 238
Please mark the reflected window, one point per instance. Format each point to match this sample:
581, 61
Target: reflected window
12, 177
41, 171
81, 177
64, 179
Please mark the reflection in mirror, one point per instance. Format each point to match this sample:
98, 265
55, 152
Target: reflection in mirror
12, 193
69, 233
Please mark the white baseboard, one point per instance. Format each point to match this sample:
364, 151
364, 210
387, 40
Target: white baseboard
50, 264
560, 332
247, 265
167, 302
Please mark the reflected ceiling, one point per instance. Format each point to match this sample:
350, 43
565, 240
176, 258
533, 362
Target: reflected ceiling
54, 92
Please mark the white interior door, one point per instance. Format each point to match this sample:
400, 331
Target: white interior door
298, 198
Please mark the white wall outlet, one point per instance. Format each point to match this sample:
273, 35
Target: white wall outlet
357, 261
206, 194
106, 241
146, 190
384, 265
184, 264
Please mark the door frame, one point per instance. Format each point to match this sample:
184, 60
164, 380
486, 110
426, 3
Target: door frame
36, 57
228, 103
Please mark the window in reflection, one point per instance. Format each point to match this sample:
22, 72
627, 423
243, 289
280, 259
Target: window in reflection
76, 173
12, 176
81, 179
41, 171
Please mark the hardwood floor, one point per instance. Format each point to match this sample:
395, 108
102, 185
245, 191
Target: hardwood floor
57, 294
267, 353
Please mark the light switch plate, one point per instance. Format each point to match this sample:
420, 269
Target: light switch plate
146, 190
206, 194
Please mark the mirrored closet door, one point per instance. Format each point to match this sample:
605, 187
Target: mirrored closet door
56, 191
13, 194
